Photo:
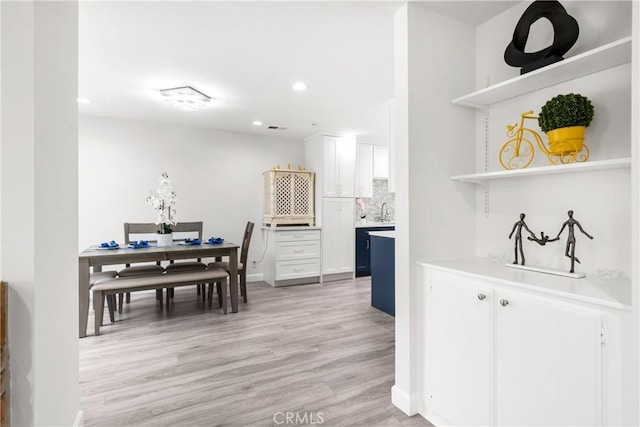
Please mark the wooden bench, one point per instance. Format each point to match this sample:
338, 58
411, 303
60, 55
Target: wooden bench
106, 287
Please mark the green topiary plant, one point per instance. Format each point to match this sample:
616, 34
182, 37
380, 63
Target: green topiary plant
566, 110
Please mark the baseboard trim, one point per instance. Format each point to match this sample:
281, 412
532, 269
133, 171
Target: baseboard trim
79, 421
403, 401
255, 277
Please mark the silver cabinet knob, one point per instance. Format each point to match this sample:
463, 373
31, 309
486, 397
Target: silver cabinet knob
504, 302
481, 296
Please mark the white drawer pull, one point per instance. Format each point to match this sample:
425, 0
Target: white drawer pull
298, 251
298, 270
299, 236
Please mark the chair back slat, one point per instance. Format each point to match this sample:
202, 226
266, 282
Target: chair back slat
188, 227
147, 228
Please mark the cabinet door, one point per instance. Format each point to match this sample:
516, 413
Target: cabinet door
548, 363
363, 252
346, 166
364, 171
380, 161
337, 235
330, 168
458, 351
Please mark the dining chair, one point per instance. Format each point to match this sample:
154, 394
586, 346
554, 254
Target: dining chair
242, 270
191, 230
184, 230
147, 230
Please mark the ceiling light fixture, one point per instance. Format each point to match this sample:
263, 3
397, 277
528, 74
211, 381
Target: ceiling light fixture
185, 98
83, 101
257, 123
299, 86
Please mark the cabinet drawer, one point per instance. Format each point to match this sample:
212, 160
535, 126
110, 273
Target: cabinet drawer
296, 269
297, 235
297, 250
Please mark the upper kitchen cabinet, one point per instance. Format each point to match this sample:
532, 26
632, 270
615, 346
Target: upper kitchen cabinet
380, 162
333, 159
364, 170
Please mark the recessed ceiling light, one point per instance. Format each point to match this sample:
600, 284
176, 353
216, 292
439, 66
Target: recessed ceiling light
299, 86
257, 123
83, 101
185, 98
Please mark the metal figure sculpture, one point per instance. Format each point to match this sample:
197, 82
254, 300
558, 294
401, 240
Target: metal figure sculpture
570, 248
543, 240
517, 228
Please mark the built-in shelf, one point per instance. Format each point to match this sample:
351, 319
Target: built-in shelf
484, 177
601, 58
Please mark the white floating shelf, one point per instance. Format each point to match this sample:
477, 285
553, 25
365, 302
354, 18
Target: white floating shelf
601, 58
483, 177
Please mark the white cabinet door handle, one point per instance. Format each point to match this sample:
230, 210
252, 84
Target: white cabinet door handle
298, 251
298, 270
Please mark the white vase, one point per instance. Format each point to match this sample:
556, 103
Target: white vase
165, 239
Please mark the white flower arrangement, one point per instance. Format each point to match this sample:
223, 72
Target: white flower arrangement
163, 200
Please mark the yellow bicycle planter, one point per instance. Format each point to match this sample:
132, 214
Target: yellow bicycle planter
566, 145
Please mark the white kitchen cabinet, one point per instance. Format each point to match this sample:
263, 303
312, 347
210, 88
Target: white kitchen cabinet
333, 159
337, 237
364, 170
393, 123
495, 354
380, 162
459, 352
292, 256
547, 352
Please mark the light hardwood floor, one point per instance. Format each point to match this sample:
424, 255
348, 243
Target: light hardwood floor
319, 351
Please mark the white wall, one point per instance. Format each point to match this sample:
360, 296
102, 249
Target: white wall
435, 216
39, 208
216, 175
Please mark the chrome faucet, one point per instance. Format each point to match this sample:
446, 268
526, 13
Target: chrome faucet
384, 211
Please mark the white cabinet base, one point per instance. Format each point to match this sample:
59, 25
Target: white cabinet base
510, 347
292, 256
337, 276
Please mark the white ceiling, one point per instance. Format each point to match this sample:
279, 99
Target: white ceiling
247, 55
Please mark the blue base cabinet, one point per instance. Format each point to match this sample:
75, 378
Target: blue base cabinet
363, 249
383, 274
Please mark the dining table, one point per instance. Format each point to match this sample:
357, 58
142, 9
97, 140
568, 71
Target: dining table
97, 256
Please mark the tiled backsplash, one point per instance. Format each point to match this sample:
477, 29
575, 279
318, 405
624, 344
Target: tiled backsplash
372, 204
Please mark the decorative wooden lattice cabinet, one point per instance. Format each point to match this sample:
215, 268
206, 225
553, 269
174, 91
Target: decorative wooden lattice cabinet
289, 197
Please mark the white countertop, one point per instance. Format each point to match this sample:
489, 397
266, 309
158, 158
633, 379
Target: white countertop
374, 224
291, 227
388, 233
614, 293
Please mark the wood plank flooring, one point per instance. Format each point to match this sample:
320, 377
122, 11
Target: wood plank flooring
312, 353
